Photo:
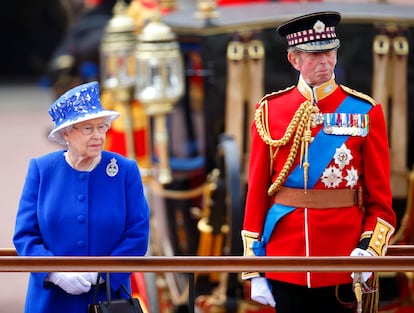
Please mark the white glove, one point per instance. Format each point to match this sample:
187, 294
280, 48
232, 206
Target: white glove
260, 291
72, 283
91, 277
362, 252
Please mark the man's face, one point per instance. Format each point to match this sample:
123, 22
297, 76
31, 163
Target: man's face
316, 68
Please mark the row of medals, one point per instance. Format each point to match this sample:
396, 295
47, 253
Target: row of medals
351, 124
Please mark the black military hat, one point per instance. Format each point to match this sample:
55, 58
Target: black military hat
313, 32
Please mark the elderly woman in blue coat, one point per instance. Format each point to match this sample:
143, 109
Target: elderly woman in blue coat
79, 201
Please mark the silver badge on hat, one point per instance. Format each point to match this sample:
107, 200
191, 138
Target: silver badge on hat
112, 168
319, 26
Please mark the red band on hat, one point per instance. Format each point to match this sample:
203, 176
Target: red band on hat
310, 35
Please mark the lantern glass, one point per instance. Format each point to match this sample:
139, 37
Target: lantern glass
117, 53
159, 72
118, 67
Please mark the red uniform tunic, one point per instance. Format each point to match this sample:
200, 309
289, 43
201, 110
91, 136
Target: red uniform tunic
313, 231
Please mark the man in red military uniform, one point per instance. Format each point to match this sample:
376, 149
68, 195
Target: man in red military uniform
319, 176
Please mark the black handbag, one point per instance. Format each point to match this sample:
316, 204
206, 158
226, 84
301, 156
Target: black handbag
128, 305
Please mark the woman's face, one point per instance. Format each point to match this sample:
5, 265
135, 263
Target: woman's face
87, 139
316, 68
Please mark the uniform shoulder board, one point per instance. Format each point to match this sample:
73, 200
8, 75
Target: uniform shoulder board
359, 94
276, 93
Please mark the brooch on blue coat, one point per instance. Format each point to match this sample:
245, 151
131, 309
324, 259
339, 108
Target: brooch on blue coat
112, 168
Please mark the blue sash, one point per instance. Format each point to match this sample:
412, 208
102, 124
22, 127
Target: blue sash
318, 162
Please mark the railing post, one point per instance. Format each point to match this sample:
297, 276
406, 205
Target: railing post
191, 293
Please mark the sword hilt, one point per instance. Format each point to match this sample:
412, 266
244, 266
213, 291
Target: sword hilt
358, 295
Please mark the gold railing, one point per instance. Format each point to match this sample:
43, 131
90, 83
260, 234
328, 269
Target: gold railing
400, 258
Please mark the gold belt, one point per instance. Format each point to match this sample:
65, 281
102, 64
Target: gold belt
318, 198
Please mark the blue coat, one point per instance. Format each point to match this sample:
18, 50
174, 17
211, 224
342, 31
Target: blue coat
65, 212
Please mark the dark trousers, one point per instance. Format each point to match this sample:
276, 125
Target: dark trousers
292, 298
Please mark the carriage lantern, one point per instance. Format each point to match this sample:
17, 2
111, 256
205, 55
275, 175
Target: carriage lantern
159, 83
117, 50
117, 64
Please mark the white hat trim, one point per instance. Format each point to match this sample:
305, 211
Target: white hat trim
56, 134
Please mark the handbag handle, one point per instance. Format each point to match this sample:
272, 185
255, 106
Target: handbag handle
108, 288
136, 306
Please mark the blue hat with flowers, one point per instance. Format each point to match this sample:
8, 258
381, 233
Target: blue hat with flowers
78, 104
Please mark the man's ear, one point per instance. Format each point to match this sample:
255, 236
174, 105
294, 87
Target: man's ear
293, 59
